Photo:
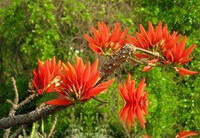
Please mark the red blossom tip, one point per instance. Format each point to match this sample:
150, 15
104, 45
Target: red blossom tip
46, 77
136, 100
78, 82
185, 134
184, 72
105, 41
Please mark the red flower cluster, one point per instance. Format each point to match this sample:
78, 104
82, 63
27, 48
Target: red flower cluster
72, 83
105, 42
79, 83
158, 38
46, 77
170, 46
136, 102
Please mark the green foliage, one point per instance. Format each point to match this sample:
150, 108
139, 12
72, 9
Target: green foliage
32, 29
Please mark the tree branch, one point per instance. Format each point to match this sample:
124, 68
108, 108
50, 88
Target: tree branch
27, 100
30, 117
17, 132
114, 62
13, 108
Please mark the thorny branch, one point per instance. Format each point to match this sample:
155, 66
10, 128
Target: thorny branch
13, 108
16, 105
106, 70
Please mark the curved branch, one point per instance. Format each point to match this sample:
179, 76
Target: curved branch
30, 117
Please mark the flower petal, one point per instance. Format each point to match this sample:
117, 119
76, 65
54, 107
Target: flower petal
58, 102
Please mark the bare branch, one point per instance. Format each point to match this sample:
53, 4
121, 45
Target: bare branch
100, 100
27, 100
16, 100
13, 108
17, 132
53, 128
6, 133
30, 117
134, 60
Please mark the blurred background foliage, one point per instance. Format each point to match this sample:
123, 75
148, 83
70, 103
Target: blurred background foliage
31, 29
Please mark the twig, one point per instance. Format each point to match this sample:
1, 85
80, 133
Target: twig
126, 131
16, 100
27, 100
142, 62
53, 128
17, 132
134, 60
156, 54
15, 105
100, 100
13, 108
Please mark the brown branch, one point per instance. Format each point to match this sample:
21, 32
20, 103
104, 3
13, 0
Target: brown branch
156, 54
100, 100
13, 108
16, 100
135, 61
15, 105
27, 100
17, 132
116, 61
30, 117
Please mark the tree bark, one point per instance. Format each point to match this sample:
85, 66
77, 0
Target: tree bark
28, 118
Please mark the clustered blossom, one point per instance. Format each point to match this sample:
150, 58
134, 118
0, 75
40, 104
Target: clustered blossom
76, 83
79, 83
106, 42
136, 102
46, 77
158, 38
170, 46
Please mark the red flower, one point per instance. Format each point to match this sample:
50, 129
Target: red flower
105, 42
168, 45
185, 134
184, 72
79, 83
46, 77
147, 68
158, 38
152, 62
178, 54
136, 102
